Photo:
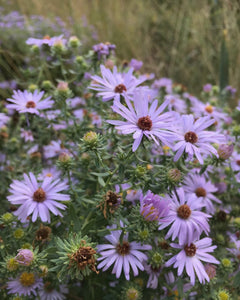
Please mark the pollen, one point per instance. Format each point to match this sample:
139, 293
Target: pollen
184, 211
30, 104
120, 88
144, 123
200, 192
191, 137
27, 279
123, 249
190, 250
39, 195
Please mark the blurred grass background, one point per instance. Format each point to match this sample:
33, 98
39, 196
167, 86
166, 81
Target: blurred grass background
180, 39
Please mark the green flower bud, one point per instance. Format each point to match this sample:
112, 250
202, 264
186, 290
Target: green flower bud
32, 87
223, 295
35, 49
47, 85
144, 235
174, 175
226, 262
79, 59
18, 233
74, 42
90, 138
236, 130
12, 265
7, 218
140, 171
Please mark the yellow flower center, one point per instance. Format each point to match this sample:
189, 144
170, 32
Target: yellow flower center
209, 109
223, 296
27, 279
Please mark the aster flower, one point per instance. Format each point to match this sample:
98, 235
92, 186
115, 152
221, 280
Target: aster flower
185, 216
24, 257
203, 189
46, 40
153, 207
201, 109
29, 102
176, 104
3, 119
49, 293
112, 85
25, 285
27, 135
192, 139
143, 120
153, 275
123, 254
163, 83
37, 198
190, 258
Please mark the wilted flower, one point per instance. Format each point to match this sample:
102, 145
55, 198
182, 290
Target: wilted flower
25, 257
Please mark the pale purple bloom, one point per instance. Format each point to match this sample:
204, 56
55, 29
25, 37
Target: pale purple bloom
185, 217
3, 119
207, 88
17, 286
153, 275
176, 104
112, 85
103, 49
203, 189
133, 195
135, 64
225, 151
24, 257
123, 255
235, 161
153, 207
27, 135
201, 109
55, 148
143, 120
46, 40
163, 83
37, 198
29, 102
53, 294
192, 139
231, 90
191, 256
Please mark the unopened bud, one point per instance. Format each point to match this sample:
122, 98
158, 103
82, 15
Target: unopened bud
225, 151
174, 175
32, 87
74, 42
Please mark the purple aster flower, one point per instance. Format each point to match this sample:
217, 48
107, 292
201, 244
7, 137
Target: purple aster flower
49, 293
203, 189
235, 161
191, 256
135, 64
176, 104
201, 109
133, 195
163, 83
112, 85
143, 120
25, 285
207, 88
194, 140
29, 102
185, 217
39, 42
37, 198
24, 257
153, 275
103, 49
3, 119
27, 135
123, 254
153, 207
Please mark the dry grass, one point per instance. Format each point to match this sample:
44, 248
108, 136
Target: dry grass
174, 38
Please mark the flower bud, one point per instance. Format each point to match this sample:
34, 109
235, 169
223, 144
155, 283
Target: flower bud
140, 171
226, 262
90, 138
18, 233
47, 85
12, 264
74, 42
210, 270
32, 87
174, 175
225, 151
236, 130
35, 49
7, 218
